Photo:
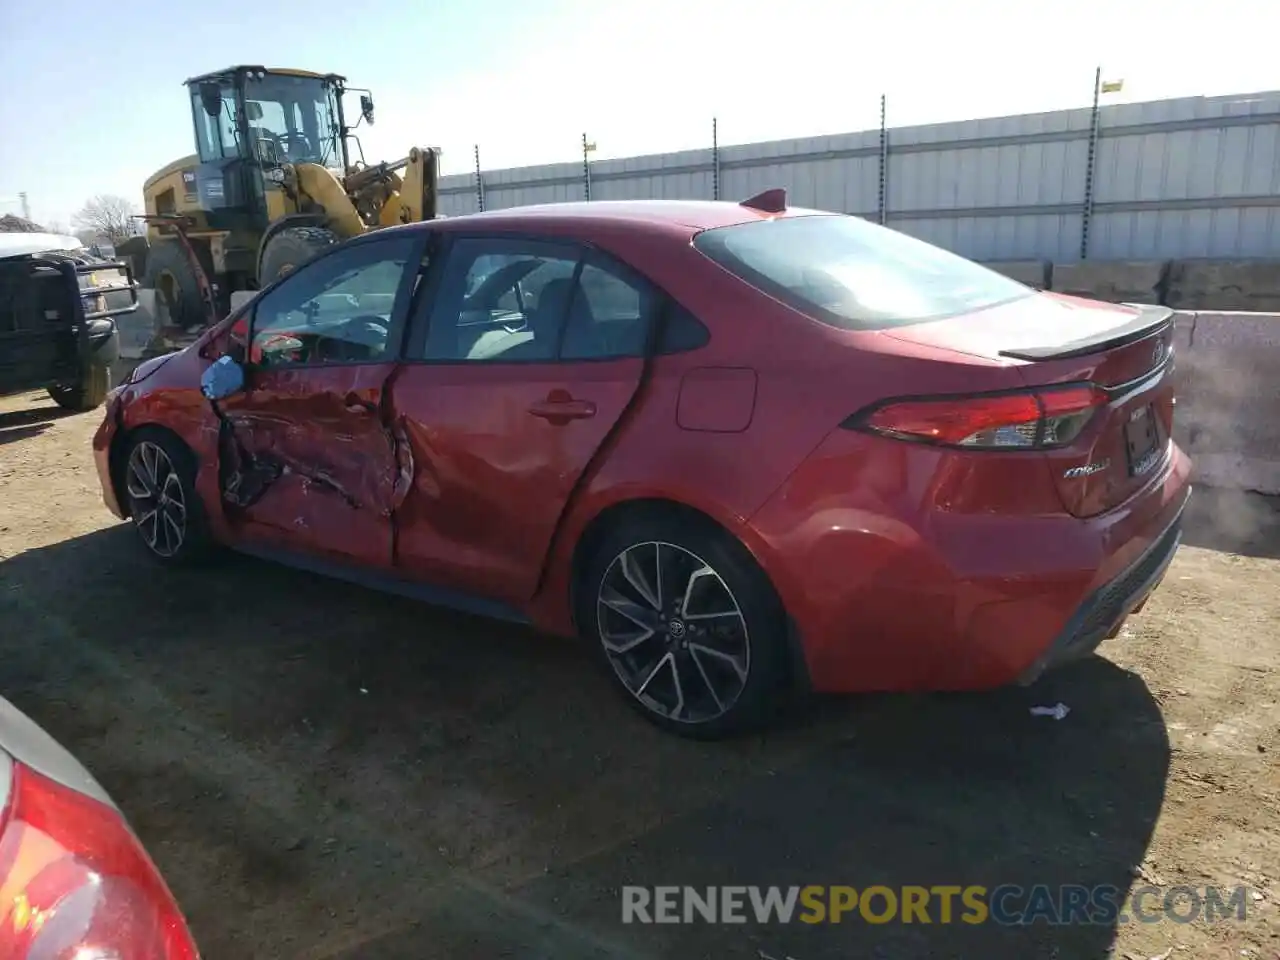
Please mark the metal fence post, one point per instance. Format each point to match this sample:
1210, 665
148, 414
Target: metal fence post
479, 182
884, 164
1086, 210
715, 161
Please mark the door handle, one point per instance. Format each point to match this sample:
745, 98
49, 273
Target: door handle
354, 404
562, 410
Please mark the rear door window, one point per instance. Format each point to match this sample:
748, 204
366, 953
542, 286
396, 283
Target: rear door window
501, 300
853, 274
610, 315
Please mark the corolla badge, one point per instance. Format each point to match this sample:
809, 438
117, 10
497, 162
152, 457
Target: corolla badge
1086, 470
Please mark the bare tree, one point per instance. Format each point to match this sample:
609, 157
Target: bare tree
107, 216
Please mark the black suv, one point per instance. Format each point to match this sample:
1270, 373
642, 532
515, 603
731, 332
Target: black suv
56, 326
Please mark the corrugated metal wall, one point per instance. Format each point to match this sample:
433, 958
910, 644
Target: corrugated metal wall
1195, 177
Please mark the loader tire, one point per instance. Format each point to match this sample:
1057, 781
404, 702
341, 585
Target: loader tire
170, 274
290, 249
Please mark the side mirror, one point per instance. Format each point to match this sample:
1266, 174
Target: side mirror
222, 378
211, 99
366, 108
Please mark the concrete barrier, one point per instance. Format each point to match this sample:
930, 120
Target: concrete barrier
1252, 285
1228, 412
1232, 285
1127, 281
1034, 273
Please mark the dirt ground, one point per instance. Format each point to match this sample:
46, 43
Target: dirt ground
325, 772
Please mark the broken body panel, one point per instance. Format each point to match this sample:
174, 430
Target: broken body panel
405, 472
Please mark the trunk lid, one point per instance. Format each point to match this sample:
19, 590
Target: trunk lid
1052, 339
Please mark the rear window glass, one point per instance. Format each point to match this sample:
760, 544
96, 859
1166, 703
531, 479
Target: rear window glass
850, 273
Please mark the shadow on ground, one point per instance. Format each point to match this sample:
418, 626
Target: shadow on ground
21, 424
1233, 521
321, 771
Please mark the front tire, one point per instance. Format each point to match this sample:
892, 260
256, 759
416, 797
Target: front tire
159, 483
291, 248
171, 275
686, 623
87, 394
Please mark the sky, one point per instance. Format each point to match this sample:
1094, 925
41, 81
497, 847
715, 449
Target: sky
93, 103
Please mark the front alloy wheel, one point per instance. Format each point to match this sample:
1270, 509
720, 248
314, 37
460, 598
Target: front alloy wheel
673, 632
158, 501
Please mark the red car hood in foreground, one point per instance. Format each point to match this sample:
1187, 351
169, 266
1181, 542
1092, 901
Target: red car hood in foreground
74, 880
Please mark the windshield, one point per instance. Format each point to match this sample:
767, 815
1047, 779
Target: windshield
853, 274
296, 117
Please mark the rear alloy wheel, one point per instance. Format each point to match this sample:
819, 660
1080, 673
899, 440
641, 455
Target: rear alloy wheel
673, 632
159, 481
689, 626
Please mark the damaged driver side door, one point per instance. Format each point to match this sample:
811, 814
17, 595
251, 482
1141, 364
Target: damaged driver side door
315, 466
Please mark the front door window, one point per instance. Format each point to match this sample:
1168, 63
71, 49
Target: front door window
336, 311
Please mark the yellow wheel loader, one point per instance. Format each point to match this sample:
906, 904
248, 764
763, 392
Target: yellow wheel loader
270, 185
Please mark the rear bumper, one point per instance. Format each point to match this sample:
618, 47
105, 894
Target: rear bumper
1100, 615
895, 581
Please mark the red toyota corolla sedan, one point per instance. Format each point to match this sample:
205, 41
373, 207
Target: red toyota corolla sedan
736, 446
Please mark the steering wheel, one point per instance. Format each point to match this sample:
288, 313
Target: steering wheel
358, 338
378, 322
288, 138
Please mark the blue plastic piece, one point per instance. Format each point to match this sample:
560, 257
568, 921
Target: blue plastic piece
222, 378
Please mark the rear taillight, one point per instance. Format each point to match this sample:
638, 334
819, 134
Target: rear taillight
75, 884
1033, 419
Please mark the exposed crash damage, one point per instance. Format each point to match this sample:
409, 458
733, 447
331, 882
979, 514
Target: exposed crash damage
269, 461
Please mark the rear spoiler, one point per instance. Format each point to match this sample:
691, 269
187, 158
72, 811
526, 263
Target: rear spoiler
1148, 320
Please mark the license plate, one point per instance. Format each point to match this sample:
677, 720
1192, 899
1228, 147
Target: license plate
1142, 438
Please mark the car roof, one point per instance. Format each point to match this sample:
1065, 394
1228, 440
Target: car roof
677, 218
26, 244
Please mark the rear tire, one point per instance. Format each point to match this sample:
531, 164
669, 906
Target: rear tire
686, 623
89, 393
171, 275
290, 249
159, 482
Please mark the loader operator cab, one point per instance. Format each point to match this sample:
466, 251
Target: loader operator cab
269, 116
249, 122
272, 183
